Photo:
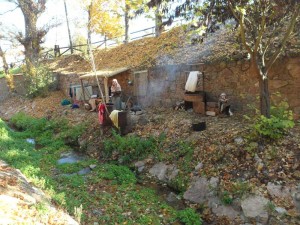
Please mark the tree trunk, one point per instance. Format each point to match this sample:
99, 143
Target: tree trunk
264, 94
33, 36
126, 23
89, 38
265, 105
158, 21
5, 65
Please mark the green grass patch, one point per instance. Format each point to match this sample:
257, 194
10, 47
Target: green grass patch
109, 190
131, 148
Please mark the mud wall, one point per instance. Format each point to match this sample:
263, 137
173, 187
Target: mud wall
66, 80
4, 90
166, 84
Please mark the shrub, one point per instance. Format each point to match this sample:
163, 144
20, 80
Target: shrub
226, 198
189, 216
129, 148
277, 125
119, 174
38, 81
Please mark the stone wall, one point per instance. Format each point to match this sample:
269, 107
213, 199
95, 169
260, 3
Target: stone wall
4, 90
65, 80
18, 83
166, 84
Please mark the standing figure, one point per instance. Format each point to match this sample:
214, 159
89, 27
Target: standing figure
116, 94
224, 106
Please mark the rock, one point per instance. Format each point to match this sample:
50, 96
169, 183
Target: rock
84, 171
30, 141
296, 199
262, 218
228, 211
200, 190
213, 182
278, 190
239, 140
254, 206
92, 166
143, 120
140, 165
97, 212
199, 166
164, 172
172, 197
280, 210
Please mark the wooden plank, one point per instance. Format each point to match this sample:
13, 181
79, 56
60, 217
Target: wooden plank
194, 98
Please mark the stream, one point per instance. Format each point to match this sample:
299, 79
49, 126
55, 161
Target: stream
70, 157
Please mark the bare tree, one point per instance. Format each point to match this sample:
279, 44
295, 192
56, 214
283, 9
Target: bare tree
33, 36
5, 65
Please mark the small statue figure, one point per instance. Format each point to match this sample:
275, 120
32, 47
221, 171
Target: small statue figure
224, 106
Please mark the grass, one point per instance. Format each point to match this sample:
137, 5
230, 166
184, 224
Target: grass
11, 71
108, 195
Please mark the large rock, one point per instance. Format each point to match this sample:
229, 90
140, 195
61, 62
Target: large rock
164, 172
278, 190
255, 206
201, 189
221, 210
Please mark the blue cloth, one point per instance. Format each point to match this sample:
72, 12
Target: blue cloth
75, 106
65, 102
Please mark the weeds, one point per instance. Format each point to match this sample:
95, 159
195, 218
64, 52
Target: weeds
130, 148
277, 125
189, 217
122, 200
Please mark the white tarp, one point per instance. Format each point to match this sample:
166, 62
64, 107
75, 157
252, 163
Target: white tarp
191, 82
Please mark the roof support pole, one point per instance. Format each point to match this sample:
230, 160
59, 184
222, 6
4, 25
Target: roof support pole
83, 91
106, 89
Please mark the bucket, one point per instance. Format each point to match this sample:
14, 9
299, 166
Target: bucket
199, 126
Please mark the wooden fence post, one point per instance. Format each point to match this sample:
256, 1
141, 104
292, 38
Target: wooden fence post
56, 51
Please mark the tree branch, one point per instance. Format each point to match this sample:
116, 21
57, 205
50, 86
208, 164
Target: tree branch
285, 38
8, 11
261, 32
242, 28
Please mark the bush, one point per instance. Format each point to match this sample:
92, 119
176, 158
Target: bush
119, 174
276, 126
189, 217
129, 148
39, 80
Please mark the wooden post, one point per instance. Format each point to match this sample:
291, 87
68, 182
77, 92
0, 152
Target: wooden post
106, 89
70, 39
56, 51
83, 91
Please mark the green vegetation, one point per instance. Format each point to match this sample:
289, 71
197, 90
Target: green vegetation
15, 70
109, 190
38, 81
277, 125
130, 148
189, 217
226, 198
233, 190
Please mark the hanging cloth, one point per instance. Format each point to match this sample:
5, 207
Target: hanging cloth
114, 117
191, 82
101, 113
